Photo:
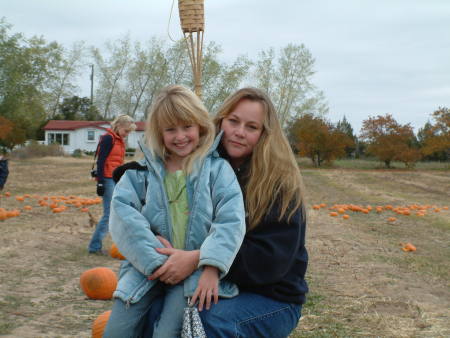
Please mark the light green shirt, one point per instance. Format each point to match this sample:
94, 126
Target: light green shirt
175, 184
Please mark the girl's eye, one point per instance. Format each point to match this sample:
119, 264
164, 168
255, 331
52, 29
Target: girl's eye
253, 127
188, 126
169, 129
233, 121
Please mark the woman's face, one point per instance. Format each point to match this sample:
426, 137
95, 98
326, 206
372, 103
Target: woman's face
242, 129
123, 131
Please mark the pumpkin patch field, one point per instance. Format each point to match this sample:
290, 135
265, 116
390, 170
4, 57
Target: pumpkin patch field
378, 241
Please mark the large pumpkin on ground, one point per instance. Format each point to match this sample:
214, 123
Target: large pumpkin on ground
98, 327
98, 283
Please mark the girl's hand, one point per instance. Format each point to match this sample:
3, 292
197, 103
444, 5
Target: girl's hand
179, 265
208, 288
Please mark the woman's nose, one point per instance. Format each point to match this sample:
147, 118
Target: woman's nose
239, 131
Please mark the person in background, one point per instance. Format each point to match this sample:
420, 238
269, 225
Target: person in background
110, 155
3, 171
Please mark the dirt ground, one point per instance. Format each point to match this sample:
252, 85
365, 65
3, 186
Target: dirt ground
362, 284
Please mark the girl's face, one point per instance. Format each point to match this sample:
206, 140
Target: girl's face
181, 139
242, 129
123, 132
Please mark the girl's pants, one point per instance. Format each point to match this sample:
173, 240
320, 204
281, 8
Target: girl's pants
101, 230
128, 320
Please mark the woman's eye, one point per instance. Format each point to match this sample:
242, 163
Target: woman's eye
188, 126
233, 120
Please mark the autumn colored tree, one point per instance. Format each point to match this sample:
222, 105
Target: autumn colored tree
388, 140
319, 140
436, 137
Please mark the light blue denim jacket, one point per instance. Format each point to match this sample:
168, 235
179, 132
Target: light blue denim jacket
140, 210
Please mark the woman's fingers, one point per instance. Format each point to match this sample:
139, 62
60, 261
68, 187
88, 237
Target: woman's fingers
164, 242
166, 251
158, 273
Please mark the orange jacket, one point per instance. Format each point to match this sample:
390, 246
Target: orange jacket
116, 156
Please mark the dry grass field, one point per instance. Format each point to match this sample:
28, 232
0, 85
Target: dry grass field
362, 284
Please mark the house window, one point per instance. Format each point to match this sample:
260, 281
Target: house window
91, 135
60, 138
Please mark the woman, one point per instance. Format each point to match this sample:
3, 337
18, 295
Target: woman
111, 154
271, 263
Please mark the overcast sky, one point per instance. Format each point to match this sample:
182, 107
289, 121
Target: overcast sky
372, 56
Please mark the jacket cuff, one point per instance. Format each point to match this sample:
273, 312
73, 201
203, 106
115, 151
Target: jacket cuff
223, 269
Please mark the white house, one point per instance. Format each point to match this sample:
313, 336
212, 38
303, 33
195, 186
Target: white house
84, 135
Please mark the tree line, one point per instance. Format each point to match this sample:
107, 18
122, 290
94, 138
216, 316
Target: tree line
380, 136
39, 82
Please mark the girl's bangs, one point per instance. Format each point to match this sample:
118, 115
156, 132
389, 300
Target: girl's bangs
171, 117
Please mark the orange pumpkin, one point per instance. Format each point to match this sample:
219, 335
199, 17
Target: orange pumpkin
98, 283
99, 324
333, 214
409, 247
115, 253
345, 216
392, 219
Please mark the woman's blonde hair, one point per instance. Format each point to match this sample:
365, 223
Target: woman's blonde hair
123, 121
273, 174
177, 104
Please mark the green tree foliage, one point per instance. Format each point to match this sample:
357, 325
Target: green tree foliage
287, 80
346, 128
318, 139
388, 140
77, 108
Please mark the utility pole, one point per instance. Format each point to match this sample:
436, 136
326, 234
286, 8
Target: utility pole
92, 86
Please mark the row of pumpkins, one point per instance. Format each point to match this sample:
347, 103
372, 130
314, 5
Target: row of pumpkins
57, 204
417, 210
100, 283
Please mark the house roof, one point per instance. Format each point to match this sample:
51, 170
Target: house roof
74, 125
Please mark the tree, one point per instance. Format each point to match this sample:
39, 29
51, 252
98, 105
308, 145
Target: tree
77, 108
65, 68
388, 140
219, 79
345, 127
110, 71
435, 138
288, 81
25, 67
318, 139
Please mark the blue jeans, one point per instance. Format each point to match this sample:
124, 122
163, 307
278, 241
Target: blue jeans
127, 320
250, 315
102, 227
164, 304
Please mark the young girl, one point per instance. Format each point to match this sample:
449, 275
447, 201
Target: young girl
186, 194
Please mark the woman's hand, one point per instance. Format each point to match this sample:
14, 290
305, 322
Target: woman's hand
180, 265
207, 289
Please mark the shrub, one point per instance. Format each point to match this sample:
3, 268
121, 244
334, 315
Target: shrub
77, 153
35, 149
